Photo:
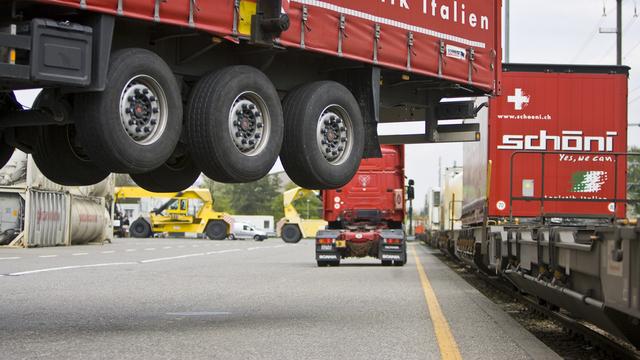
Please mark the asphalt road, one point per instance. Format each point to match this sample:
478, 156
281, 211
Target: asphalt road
200, 299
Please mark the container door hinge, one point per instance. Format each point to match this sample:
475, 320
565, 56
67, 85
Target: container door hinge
409, 49
376, 39
342, 24
303, 26
193, 7
472, 57
441, 58
236, 17
120, 9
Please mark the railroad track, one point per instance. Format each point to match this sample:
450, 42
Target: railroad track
612, 347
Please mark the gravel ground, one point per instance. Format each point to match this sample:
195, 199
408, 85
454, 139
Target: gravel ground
549, 331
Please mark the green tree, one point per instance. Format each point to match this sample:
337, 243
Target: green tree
633, 181
311, 202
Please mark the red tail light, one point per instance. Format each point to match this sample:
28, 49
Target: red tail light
392, 241
325, 241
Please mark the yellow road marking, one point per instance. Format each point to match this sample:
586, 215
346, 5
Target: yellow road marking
446, 342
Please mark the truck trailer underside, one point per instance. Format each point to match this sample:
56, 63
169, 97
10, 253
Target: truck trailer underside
167, 91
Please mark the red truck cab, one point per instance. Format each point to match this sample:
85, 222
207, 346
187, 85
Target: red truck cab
366, 216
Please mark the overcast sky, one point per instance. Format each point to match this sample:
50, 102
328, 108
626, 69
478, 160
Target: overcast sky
542, 31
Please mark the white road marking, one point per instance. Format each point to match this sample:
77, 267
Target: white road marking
167, 247
10, 258
222, 251
47, 256
195, 245
108, 252
279, 246
114, 263
150, 249
199, 313
69, 267
172, 258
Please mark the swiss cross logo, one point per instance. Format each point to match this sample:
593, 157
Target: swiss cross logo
364, 180
519, 99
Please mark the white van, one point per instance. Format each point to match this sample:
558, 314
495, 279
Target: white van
246, 231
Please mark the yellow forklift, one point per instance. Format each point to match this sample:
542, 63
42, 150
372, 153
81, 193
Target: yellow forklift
292, 227
188, 211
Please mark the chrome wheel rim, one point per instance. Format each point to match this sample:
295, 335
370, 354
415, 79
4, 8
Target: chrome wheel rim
143, 109
249, 123
334, 134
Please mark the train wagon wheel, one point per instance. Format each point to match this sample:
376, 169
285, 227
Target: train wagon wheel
133, 125
176, 174
235, 124
324, 135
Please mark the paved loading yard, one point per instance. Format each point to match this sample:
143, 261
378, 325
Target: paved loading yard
162, 298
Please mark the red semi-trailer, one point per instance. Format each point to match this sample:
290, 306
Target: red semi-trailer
366, 216
164, 90
555, 145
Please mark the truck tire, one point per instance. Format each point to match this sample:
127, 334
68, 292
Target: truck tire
62, 159
6, 152
216, 230
235, 124
324, 135
57, 150
291, 233
140, 228
176, 174
135, 123
8, 103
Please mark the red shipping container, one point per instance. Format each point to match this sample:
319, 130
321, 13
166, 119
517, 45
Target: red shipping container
378, 185
578, 116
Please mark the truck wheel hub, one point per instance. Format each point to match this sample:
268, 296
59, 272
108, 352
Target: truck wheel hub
334, 134
249, 123
143, 110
